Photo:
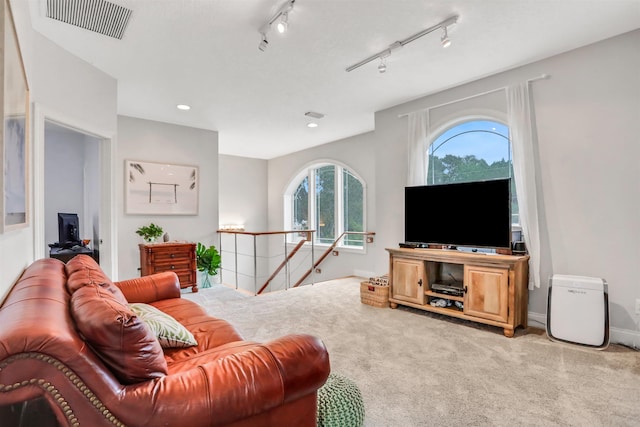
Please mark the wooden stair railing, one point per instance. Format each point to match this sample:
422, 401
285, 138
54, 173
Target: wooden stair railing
327, 252
282, 264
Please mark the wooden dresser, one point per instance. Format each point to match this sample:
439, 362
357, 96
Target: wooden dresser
170, 256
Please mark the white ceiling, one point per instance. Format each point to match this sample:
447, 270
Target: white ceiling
205, 53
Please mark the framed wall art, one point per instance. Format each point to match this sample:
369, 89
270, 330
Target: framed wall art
14, 147
160, 188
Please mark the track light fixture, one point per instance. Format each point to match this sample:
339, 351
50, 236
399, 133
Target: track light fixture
398, 44
264, 43
382, 67
282, 17
283, 24
444, 40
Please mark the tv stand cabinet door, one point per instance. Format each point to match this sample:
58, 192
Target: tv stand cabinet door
487, 293
408, 280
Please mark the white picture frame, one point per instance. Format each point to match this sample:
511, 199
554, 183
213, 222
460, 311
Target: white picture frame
14, 138
160, 188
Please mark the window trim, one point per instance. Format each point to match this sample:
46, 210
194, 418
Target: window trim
494, 116
308, 171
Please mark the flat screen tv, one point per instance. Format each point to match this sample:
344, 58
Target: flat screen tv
472, 214
68, 228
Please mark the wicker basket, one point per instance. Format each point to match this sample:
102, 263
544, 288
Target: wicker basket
375, 295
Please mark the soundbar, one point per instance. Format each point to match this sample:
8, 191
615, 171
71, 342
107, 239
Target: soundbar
413, 245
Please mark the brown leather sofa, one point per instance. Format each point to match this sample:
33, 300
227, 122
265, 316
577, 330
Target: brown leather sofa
67, 339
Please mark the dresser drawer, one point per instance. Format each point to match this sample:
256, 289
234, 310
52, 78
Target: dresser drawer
170, 265
165, 256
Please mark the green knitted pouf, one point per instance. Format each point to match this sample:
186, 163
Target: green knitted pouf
340, 403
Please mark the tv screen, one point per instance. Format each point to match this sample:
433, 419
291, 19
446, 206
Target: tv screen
474, 214
68, 225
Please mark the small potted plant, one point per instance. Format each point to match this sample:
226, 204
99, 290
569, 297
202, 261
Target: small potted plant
150, 232
208, 262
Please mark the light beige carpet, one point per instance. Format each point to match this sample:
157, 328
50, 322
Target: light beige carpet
419, 369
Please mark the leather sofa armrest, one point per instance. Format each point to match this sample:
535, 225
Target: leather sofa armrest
153, 287
238, 386
303, 362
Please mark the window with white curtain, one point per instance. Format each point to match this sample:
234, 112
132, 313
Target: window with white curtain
328, 198
474, 150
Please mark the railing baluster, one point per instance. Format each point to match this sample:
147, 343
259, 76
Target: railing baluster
287, 272
220, 247
235, 248
255, 267
313, 258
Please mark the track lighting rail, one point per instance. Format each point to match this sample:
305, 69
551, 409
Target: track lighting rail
398, 44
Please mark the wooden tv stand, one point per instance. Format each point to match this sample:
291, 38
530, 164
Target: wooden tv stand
492, 288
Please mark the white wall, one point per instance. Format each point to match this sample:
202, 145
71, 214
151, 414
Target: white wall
92, 172
62, 83
152, 141
588, 122
72, 180
64, 164
357, 155
242, 199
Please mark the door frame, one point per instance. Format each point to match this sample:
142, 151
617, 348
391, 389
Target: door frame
108, 211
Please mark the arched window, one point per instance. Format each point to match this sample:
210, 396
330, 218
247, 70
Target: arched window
328, 198
475, 150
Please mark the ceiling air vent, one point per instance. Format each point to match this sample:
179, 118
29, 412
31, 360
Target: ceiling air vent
99, 16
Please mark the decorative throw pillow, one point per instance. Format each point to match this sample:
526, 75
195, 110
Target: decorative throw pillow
169, 331
122, 340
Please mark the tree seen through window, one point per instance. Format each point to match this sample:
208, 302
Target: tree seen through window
476, 150
330, 199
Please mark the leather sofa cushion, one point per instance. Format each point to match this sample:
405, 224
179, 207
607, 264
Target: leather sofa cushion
208, 331
83, 270
117, 335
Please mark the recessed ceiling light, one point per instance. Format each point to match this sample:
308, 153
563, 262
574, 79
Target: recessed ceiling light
312, 125
183, 107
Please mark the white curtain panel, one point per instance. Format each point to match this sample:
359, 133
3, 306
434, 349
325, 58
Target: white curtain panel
417, 165
519, 117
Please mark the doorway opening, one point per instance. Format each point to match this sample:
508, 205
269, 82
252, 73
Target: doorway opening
72, 176
77, 177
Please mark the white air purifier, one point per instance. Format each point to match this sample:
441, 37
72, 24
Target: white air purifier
578, 310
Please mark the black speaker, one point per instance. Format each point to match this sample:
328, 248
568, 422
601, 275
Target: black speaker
519, 248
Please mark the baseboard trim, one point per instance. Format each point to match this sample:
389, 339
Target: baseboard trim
539, 319
362, 273
626, 337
